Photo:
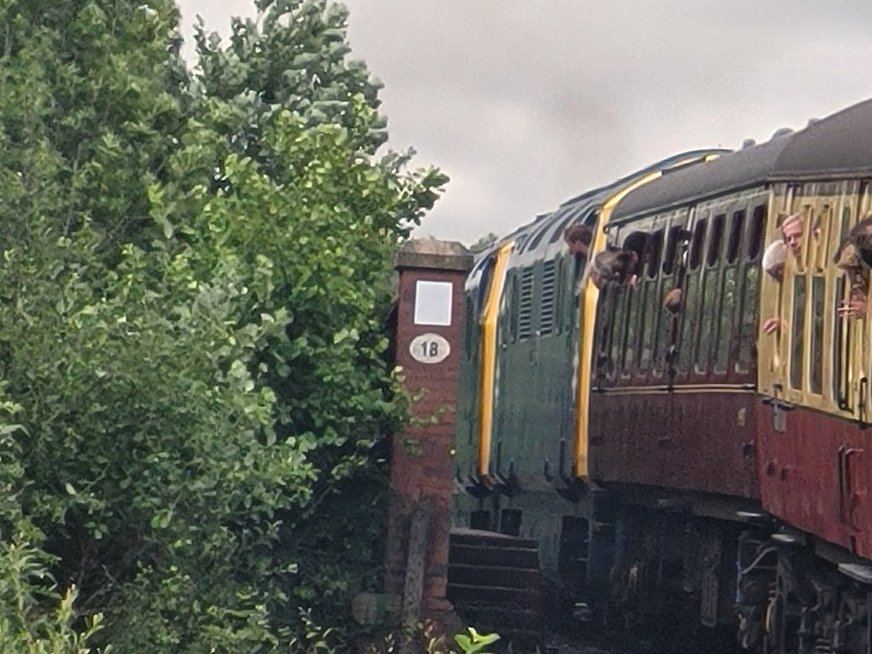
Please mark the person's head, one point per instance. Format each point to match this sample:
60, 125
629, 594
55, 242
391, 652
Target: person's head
774, 258
850, 262
791, 232
578, 238
861, 238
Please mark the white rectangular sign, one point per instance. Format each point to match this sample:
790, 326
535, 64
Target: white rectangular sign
433, 303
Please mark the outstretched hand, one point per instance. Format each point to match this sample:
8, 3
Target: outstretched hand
771, 325
853, 309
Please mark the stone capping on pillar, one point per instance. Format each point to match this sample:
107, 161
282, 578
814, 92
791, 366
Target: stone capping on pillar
437, 255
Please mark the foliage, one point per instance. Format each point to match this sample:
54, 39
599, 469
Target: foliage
473, 642
34, 617
195, 281
425, 638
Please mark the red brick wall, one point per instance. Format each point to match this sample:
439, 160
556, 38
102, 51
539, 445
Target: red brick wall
421, 462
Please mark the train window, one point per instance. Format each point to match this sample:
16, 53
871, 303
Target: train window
655, 249
648, 328
844, 229
617, 326
735, 236
748, 317
709, 301
728, 309
716, 239
841, 347
546, 299
638, 242
798, 323
666, 320
525, 305
817, 335
820, 228
689, 321
671, 249
805, 257
757, 228
605, 319
630, 333
696, 244
487, 270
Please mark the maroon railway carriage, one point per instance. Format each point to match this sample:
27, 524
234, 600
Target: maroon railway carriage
731, 462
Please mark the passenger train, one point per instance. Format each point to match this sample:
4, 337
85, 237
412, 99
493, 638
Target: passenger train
685, 467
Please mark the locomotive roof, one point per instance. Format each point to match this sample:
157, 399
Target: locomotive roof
548, 228
833, 146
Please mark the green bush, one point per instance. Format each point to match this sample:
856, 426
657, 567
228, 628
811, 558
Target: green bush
194, 284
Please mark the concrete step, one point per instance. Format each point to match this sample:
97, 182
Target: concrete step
505, 556
506, 576
462, 536
465, 594
495, 585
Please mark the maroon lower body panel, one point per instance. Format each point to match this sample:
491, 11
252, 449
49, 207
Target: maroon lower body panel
814, 473
689, 440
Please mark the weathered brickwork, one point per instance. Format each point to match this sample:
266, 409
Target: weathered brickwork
421, 461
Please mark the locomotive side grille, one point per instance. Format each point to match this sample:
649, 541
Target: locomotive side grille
525, 310
546, 302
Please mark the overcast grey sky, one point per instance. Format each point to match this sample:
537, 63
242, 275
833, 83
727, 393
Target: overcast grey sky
527, 103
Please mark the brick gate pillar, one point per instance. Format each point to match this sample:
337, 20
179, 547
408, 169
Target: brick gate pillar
428, 346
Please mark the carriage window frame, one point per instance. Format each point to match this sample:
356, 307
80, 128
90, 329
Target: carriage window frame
757, 231
841, 330
816, 334
690, 320
672, 241
617, 329
651, 283
726, 344
734, 241
629, 315
750, 299
798, 333
716, 240
711, 280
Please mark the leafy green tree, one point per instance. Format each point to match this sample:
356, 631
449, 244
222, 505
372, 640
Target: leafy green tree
91, 103
195, 279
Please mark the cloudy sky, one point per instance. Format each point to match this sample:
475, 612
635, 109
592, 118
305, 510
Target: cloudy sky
527, 103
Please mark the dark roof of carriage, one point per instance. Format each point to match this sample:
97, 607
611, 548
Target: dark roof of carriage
833, 146
731, 171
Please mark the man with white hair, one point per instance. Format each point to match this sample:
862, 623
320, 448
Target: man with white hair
774, 259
